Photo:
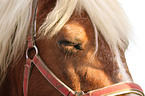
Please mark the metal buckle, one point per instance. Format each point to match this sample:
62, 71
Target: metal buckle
27, 51
79, 93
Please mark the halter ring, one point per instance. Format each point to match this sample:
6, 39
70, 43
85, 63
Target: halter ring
27, 51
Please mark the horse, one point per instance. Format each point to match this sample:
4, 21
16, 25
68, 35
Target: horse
64, 47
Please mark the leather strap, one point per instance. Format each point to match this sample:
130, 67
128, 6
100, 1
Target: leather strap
32, 26
30, 44
50, 76
116, 89
27, 71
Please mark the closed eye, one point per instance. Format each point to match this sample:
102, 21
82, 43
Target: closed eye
70, 45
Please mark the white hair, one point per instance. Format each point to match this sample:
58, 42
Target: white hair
14, 22
106, 16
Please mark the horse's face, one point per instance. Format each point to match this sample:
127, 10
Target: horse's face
86, 52
70, 53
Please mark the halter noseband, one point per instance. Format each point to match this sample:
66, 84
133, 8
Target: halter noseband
116, 89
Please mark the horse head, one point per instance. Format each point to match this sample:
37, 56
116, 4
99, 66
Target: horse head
82, 42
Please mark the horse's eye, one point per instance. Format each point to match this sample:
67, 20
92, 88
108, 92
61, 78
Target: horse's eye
67, 45
78, 46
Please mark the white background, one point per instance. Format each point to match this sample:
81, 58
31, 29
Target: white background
135, 54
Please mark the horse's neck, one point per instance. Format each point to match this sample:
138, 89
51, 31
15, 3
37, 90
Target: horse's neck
5, 88
12, 84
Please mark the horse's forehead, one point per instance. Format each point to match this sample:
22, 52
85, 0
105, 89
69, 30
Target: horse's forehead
78, 29
74, 29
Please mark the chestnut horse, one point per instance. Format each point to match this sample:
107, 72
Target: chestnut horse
81, 42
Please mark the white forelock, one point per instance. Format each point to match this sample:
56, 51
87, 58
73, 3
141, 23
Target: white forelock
106, 15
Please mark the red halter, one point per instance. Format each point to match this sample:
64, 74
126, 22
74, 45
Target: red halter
116, 89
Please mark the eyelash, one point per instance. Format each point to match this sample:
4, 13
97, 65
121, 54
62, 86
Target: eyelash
69, 47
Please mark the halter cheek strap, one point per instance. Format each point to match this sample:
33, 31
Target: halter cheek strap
116, 89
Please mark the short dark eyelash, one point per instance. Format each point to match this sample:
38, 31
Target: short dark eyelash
78, 46
68, 52
67, 43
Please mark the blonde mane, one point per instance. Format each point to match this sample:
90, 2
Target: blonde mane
14, 22
106, 15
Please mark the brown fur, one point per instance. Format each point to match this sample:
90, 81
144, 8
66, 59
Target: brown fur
71, 65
